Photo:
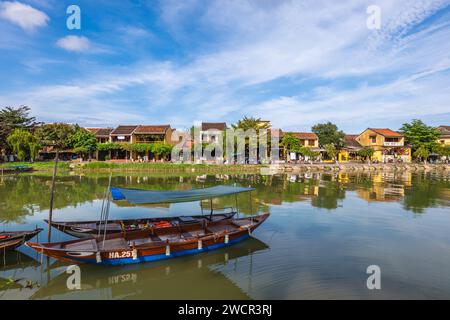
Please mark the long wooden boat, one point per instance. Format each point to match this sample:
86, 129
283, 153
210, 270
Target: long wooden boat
12, 239
152, 244
87, 229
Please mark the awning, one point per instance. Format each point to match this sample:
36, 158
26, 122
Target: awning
138, 196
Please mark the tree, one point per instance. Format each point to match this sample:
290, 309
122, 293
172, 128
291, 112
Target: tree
256, 124
23, 144
366, 153
56, 135
328, 133
330, 149
11, 119
83, 141
161, 149
419, 134
422, 153
290, 143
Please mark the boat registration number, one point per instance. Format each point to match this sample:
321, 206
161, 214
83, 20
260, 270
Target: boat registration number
121, 254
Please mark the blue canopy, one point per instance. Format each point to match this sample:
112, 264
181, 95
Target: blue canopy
138, 196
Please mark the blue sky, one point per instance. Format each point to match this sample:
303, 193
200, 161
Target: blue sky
295, 63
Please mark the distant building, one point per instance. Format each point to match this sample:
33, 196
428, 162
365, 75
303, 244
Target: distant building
210, 132
350, 151
445, 135
389, 145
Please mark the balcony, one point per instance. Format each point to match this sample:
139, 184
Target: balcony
393, 144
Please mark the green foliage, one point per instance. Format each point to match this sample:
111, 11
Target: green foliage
161, 149
24, 144
419, 134
57, 135
328, 133
331, 150
83, 141
442, 150
108, 146
366, 152
422, 153
11, 119
251, 123
290, 143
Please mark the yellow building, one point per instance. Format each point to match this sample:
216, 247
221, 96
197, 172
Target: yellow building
445, 135
389, 145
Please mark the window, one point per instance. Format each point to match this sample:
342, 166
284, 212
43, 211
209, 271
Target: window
373, 139
311, 142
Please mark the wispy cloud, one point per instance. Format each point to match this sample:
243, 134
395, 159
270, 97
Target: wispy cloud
74, 43
294, 62
23, 15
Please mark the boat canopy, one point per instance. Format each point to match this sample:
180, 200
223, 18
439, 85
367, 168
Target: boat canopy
138, 196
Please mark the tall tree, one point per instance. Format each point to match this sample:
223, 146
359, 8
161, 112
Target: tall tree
23, 144
83, 141
329, 133
56, 135
419, 134
11, 119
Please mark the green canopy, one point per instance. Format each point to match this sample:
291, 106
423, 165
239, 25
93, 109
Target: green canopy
138, 196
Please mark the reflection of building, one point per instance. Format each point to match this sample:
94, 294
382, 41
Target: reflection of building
445, 135
388, 145
381, 190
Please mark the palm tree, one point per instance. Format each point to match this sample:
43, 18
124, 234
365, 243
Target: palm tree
256, 124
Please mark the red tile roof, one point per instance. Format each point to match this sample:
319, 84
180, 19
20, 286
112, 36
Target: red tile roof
103, 133
123, 130
214, 125
93, 130
386, 132
305, 135
157, 129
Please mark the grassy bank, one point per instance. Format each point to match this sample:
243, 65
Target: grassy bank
38, 166
165, 167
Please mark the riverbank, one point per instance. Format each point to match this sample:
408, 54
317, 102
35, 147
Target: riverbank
127, 167
356, 167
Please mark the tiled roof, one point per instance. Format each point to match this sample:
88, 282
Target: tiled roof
93, 130
159, 129
386, 132
350, 141
305, 135
104, 132
445, 130
124, 130
214, 125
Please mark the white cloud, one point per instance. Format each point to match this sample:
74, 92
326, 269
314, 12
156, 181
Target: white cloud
23, 15
74, 43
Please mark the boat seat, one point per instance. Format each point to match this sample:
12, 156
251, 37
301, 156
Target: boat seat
187, 219
113, 244
88, 245
186, 235
243, 222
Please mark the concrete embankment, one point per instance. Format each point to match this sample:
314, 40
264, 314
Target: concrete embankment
357, 167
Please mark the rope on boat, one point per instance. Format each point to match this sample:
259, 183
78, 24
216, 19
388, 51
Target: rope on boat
200, 244
98, 257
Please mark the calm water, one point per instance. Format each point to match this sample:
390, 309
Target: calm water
324, 231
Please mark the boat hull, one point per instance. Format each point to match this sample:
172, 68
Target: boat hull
16, 239
133, 255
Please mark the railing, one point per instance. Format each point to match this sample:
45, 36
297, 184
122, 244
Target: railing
393, 144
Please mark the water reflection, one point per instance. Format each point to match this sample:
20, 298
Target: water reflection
24, 195
171, 279
324, 230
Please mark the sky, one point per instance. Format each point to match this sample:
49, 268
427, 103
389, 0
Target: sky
180, 62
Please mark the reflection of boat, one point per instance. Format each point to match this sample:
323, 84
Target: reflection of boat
16, 169
169, 279
16, 259
84, 229
12, 239
151, 245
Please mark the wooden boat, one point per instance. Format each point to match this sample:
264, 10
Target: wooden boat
87, 229
152, 244
12, 239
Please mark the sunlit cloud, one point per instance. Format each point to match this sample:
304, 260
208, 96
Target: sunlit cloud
23, 15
